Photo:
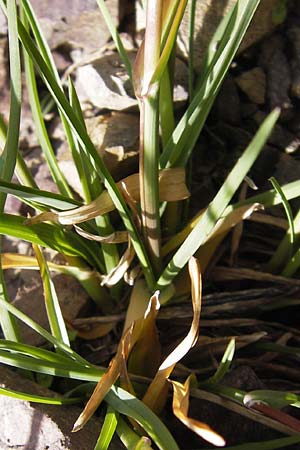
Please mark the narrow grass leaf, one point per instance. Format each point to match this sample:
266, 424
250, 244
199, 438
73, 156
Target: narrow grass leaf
115, 35
9, 155
276, 399
88, 148
130, 406
170, 41
143, 444
188, 129
225, 223
281, 257
217, 207
40, 127
180, 409
46, 335
51, 236
38, 398
108, 429
145, 356
38, 197
55, 317
48, 58
275, 262
225, 363
128, 437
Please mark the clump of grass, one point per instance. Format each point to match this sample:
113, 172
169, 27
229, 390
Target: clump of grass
98, 255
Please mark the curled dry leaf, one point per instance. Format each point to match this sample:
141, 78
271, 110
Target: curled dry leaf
117, 237
106, 382
154, 396
180, 409
172, 187
117, 365
117, 273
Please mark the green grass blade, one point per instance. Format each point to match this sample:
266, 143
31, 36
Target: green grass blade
46, 53
108, 429
174, 23
41, 199
45, 334
40, 126
89, 179
93, 188
9, 154
225, 363
36, 352
117, 398
217, 207
276, 399
50, 368
115, 35
187, 131
275, 262
51, 236
55, 317
89, 150
128, 437
130, 406
281, 256
38, 398
271, 197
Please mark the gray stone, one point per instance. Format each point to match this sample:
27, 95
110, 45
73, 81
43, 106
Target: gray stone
78, 23
34, 426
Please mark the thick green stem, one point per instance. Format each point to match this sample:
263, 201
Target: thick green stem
149, 150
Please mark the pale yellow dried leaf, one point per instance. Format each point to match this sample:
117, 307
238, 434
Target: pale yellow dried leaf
106, 382
180, 410
172, 187
117, 273
116, 366
157, 387
117, 237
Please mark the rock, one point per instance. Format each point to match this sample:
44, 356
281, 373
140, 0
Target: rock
116, 137
72, 298
76, 24
34, 426
253, 84
209, 14
106, 85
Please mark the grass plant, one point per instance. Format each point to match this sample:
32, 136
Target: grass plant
100, 256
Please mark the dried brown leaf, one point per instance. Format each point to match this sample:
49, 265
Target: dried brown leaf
172, 187
155, 393
180, 409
